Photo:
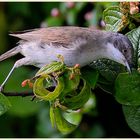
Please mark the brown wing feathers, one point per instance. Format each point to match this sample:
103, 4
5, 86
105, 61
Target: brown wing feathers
64, 35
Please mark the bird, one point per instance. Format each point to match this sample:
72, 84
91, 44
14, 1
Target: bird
77, 45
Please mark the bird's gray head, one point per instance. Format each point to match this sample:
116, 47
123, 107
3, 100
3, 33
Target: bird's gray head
123, 44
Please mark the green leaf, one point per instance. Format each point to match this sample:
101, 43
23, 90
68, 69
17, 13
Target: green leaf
73, 117
106, 87
70, 84
132, 116
136, 17
134, 37
52, 67
108, 69
41, 92
62, 124
90, 105
90, 75
113, 19
4, 104
52, 117
23, 107
127, 87
132, 26
43, 125
77, 101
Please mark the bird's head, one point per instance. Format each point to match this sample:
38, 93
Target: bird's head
121, 49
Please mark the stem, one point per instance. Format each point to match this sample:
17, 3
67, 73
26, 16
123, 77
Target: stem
22, 94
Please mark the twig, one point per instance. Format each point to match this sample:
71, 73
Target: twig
22, 94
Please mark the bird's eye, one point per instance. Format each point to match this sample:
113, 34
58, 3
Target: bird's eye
125, 50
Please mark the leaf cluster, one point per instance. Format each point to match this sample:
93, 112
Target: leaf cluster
67, 89
126, 86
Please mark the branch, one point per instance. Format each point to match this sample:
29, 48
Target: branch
22, 94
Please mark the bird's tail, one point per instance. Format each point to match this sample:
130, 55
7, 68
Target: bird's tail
9, 53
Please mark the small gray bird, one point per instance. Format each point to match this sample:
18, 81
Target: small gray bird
77, 45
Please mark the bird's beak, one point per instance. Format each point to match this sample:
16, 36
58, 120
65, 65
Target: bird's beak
125, 63
114, 54
128, 67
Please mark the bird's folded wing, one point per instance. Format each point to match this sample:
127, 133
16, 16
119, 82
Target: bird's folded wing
64, 36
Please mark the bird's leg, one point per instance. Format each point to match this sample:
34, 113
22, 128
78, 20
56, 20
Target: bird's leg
23, 61
2, 85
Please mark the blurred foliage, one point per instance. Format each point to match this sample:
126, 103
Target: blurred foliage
30, 119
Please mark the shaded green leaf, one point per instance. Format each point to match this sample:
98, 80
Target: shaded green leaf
127, 87
43, 125
79, 99
107, 87
4, 104
73, 117
70, 84
52, 117
23, 107
134, 37
108, 69
90, 105
90, 75
132, 116
136, 17
52, 67
113, 19
62, 124
41, 92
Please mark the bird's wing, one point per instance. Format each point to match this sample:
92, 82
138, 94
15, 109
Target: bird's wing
64, 36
